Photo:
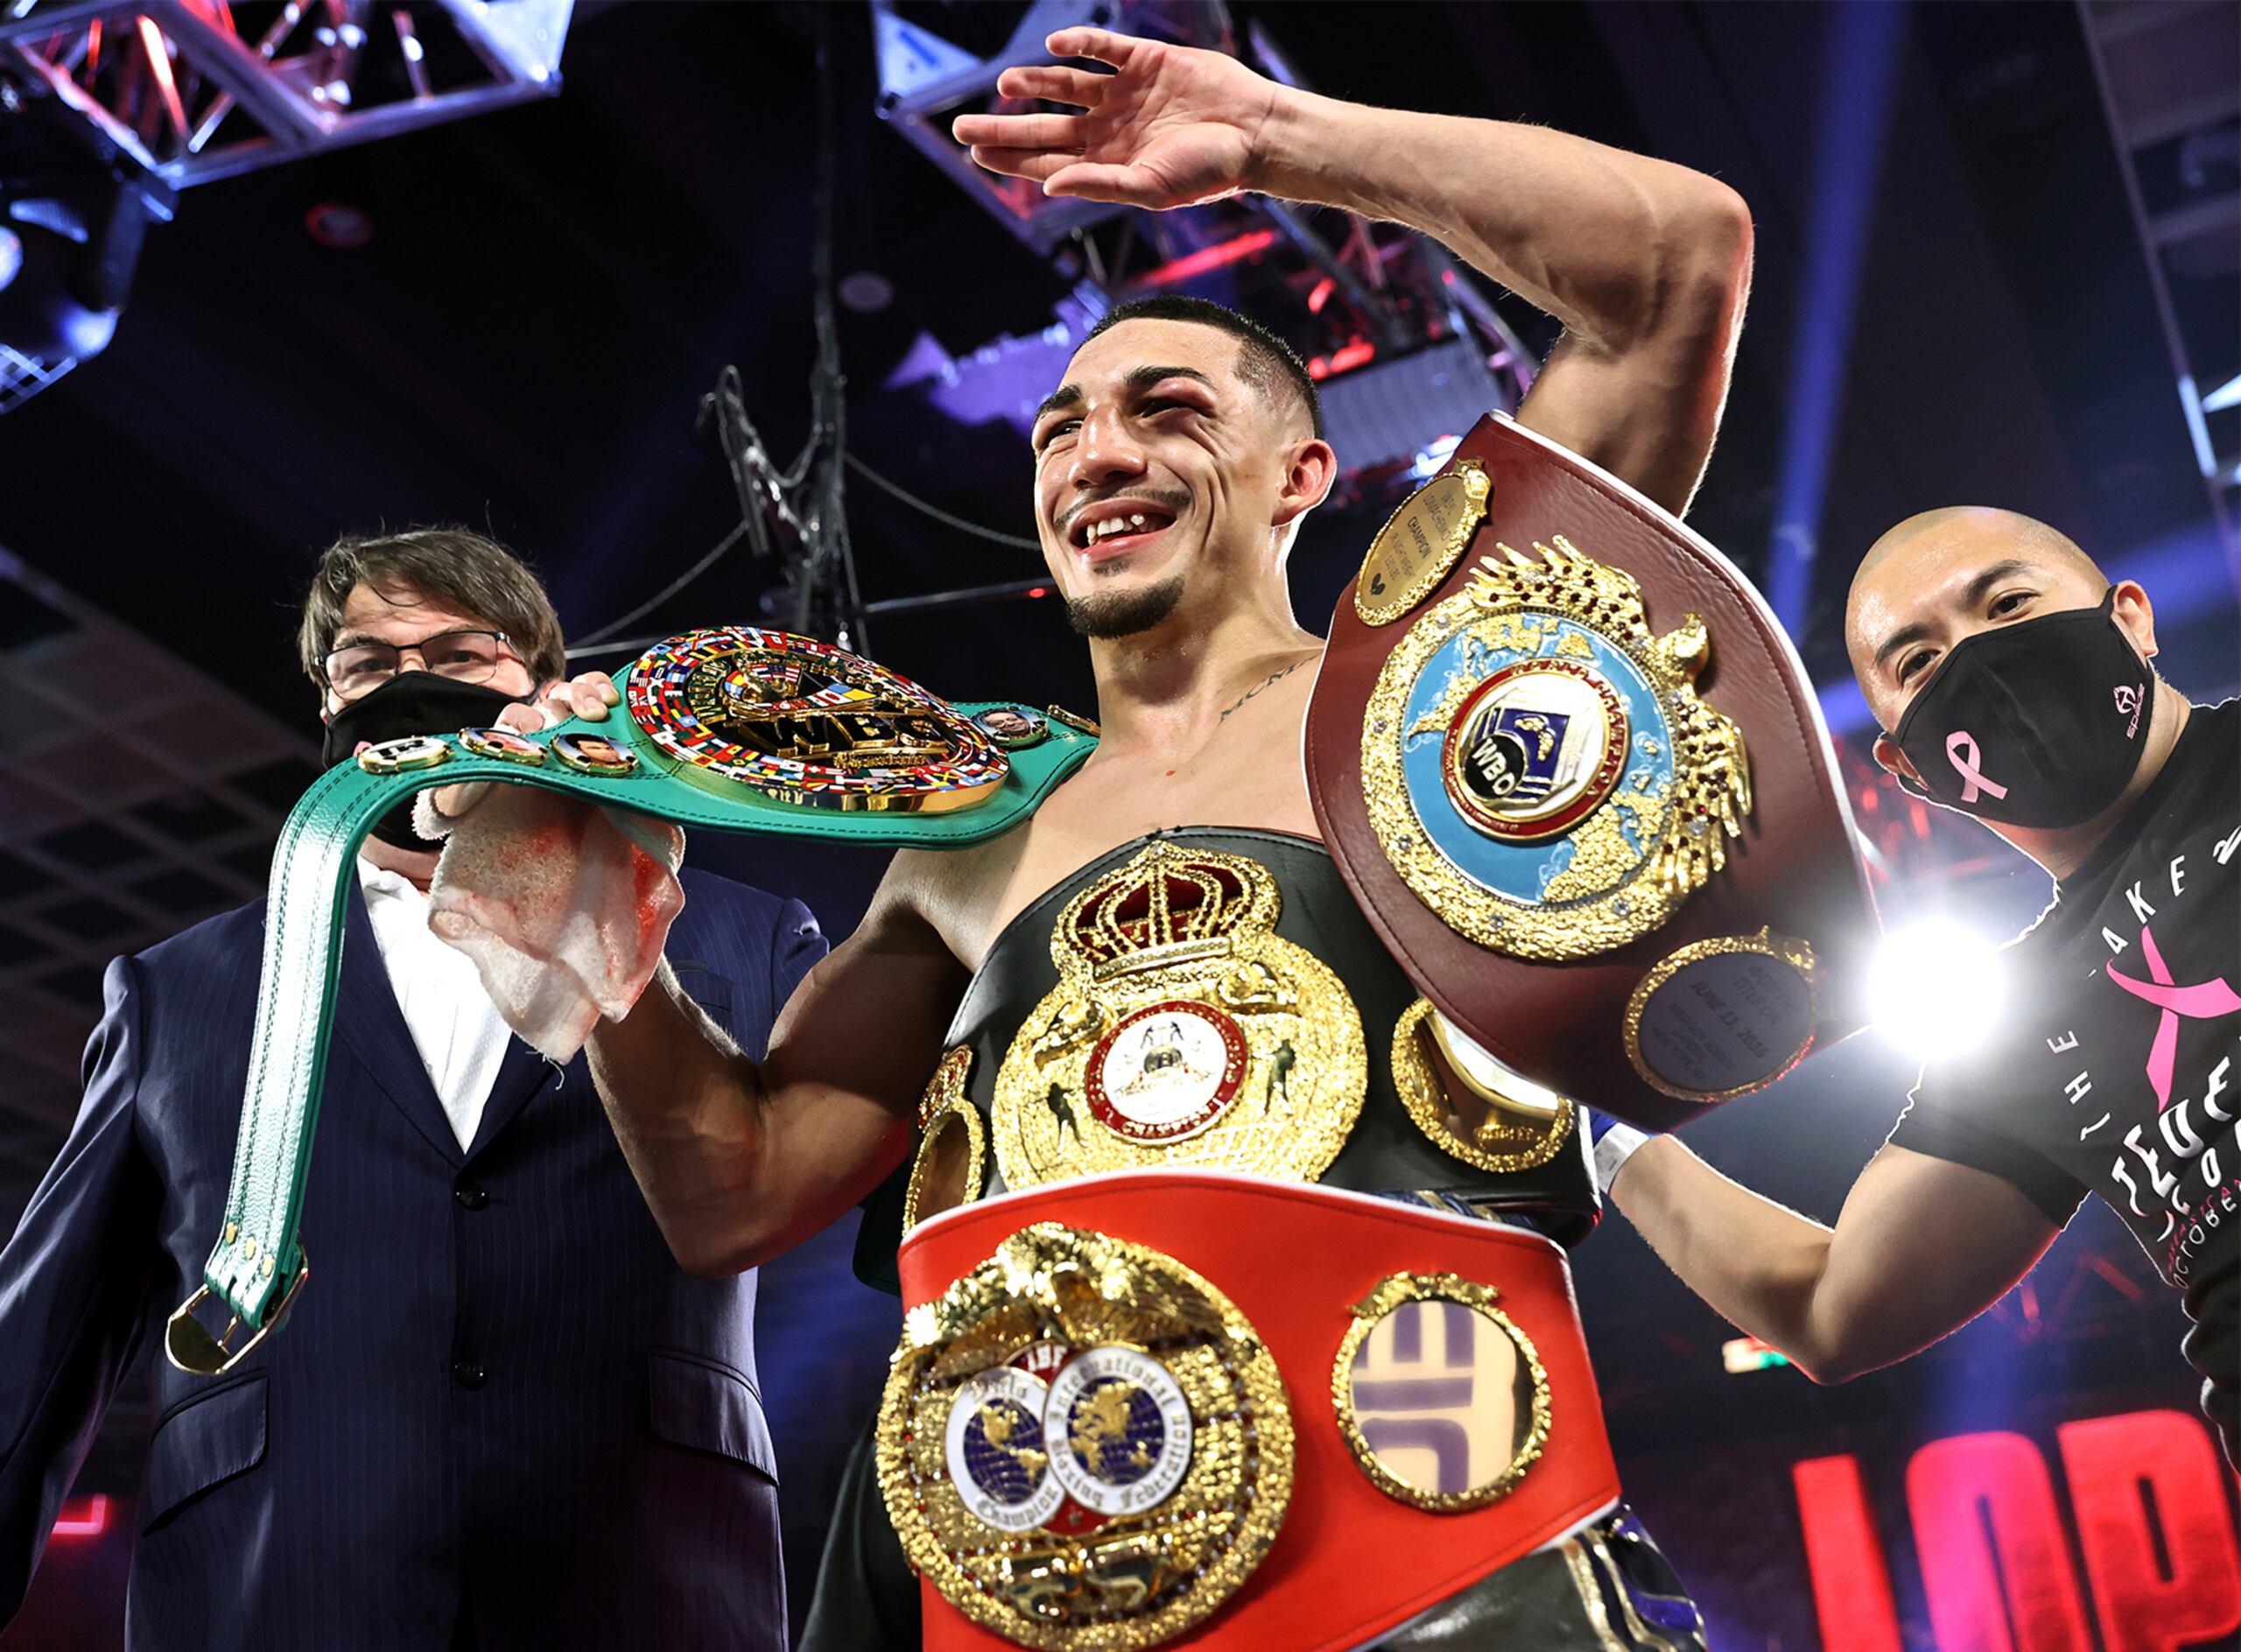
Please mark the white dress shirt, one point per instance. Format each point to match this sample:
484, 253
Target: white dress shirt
457, 1030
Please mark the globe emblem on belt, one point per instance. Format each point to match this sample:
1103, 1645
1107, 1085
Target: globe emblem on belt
1118, 1428
995, 1447
1535, 749
1112, 1431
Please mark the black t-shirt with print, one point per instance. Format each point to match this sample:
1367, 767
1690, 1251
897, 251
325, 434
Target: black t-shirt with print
2117, 1067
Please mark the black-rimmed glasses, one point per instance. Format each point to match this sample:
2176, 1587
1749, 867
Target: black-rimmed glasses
357, 669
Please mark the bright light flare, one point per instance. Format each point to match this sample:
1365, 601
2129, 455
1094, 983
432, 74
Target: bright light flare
1938, 989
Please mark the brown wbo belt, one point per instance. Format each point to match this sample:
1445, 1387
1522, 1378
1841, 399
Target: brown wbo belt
1577, 778
1189, 1408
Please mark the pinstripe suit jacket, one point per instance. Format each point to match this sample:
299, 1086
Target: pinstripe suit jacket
498, 1398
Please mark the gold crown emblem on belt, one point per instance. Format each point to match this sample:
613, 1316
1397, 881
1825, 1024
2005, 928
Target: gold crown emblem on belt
1182, 1030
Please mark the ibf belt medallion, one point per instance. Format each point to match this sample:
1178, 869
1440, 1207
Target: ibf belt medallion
1182, 1030
1538, 765
806, 722
1083, 1443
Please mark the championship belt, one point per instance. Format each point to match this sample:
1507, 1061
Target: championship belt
1187, 1407
1578, 778
740, 730
1182, 1030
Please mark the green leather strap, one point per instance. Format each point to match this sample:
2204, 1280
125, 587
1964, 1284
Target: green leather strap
259, 1263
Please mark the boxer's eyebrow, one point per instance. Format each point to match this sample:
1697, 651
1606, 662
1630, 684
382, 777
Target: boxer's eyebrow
1140, 379
1064, 395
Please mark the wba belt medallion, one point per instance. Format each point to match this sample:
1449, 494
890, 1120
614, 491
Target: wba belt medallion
1183, 1031
1083, 1443
1537, 764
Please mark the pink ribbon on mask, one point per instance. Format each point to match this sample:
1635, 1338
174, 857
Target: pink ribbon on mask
1965, 763
2197, 1002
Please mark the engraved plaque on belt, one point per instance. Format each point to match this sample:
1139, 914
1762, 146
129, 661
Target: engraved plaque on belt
1182, 1030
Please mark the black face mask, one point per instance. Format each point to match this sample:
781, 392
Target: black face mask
2040, 723
410, 703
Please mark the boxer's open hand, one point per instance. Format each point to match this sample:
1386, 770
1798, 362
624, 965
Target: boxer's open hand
1173, 127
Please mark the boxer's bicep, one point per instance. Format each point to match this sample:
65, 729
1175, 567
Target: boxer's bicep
1647, 416
1923, 1246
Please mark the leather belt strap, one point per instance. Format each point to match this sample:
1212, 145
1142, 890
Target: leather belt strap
257, 1265
1367, 1534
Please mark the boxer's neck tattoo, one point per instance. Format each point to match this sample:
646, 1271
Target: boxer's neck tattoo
1266, 682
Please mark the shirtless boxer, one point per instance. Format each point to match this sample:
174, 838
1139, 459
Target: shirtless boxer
1198, 435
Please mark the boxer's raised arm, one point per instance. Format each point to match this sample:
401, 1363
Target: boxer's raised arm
740, 1160
1921, 1247
1646, 263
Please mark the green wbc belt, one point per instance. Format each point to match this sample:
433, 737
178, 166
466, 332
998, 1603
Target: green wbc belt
740, 730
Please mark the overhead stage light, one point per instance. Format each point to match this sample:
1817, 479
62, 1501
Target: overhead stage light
73, 224
1938, 989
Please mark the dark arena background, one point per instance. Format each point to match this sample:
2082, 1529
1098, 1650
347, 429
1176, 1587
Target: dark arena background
323, 268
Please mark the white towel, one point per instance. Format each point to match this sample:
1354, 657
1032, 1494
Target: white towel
563, 905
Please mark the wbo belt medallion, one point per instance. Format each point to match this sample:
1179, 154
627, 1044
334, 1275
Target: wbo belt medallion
1182, 1030
1538, 766
1083, 1444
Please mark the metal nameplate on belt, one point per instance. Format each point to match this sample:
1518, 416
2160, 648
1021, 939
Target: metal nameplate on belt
739, 728
1577, 778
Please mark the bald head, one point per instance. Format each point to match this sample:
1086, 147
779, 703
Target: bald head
1946, 574
1952, 525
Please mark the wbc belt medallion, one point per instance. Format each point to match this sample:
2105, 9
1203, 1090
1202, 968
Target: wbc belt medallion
1537, 764
1083, 1444
1182, 1030
804, 722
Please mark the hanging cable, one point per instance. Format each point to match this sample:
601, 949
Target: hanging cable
588, 644
807, 497
894, 490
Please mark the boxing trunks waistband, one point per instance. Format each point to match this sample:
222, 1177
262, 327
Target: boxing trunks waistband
1187, 1407
1213, 996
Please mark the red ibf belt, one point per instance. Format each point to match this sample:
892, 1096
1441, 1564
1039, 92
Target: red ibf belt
1186, 1407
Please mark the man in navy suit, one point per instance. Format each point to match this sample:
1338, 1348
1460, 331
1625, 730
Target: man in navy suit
501, 1414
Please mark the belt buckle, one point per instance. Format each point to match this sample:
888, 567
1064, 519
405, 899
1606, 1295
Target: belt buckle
193, 1350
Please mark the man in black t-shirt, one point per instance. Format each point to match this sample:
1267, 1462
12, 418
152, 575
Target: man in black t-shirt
2012, 680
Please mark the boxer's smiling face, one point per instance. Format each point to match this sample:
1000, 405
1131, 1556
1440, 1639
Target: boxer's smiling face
1157, 468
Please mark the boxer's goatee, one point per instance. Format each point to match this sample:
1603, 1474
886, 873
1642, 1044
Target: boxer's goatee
1115, 613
